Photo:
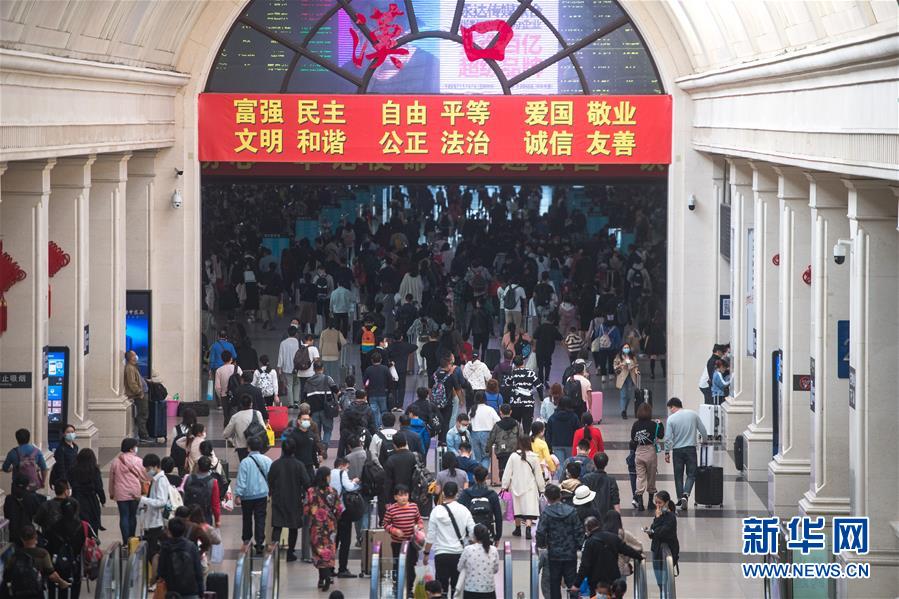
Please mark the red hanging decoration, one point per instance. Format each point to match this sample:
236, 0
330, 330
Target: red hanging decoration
57, 260
10, 274
776, 260
807, 275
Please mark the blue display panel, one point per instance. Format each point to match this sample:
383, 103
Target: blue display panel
138, 320
57, 393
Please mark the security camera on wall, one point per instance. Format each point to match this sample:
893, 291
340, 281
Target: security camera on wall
840, 251
177, 201
691, 203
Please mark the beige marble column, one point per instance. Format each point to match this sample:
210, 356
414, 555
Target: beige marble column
828, 493
109, 409
24, 198
70, 187
138, 213
789, 471
738, 409
758, 434
873, 405
723, 273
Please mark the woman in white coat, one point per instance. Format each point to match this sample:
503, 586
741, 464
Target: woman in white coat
523, 476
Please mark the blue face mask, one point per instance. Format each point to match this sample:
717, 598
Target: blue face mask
70, 437
626, 351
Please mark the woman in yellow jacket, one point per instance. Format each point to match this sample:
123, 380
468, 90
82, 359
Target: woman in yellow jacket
548, 461
627, 377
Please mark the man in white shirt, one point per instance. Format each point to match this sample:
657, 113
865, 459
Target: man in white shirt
580, 372
154, 503
476, 373
239, 422
303, 375
512, 310
286, 351
449, 529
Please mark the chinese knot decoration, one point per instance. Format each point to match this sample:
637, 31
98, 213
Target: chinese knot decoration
776, 260
385, 37
57, 259
10, 274
807, 275
497, 51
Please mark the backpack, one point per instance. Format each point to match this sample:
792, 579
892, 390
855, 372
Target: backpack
353, 504
543, 294
332, 406
372, 479
573, 391
368, 337
28, 467
510, 300
438, 392
301, 359
198, 491
91, 554
23, 577
321, 287
184, 579
178, 453
523, 348
482, 513
422, 478
265, 383
175, 501
347, 397
256, 429
234, 381
602, 339
65, 562
387, 448
506, 441
637, 279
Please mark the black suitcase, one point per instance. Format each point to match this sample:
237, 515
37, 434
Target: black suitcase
641, 396
156, 420
217, 582
740, 453
200, 407
709, 484
492, 358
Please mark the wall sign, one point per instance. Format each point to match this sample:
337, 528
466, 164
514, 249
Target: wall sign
15, 380
723, 307
138, 321
852, 387
87, 339
843, 349
435, 128
802, 382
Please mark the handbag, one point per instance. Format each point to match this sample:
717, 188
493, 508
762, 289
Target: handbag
270, 433
508, 508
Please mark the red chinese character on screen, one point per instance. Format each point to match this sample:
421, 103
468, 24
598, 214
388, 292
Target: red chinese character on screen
385, 38
497, 51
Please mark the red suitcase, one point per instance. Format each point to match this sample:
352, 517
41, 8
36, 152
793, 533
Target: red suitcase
596, 406
278, 419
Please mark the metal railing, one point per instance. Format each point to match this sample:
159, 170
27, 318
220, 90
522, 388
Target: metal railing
109, 580
507, 570
667, 585
134, 578
639, 585
535, 570
401, 587
375, 572
270, 584
5, 545
243, 573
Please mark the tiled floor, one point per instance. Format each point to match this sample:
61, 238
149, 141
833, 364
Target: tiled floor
710, 538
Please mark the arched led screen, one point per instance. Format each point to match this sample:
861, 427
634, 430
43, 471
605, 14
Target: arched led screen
536, 47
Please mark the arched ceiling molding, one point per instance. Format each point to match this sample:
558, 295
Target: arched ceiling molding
681, 21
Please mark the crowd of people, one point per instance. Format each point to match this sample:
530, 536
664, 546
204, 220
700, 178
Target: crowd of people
471, 297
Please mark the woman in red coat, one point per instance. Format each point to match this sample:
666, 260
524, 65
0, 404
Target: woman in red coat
590, 432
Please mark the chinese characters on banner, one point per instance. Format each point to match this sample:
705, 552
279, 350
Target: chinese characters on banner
435, 129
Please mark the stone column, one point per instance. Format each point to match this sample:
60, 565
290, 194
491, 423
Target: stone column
789, 471
758, 434
23, 229
738, 409
873, 408
722, 265
110, 410
70, 184
138, 214
828, 493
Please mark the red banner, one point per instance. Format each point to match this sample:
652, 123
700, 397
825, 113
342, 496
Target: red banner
435, 129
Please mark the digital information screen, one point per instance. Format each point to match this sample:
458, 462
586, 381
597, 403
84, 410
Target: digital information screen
138, 308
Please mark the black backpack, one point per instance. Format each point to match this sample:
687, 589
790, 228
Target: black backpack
184, 578
22, 577
482, 513
332, 406
543, 293
301, 359
354, 505
257, 430
637, 279
573, 391
198, 491
387, 448
510, 300
178, 453
372, 479
234, 381
421, 481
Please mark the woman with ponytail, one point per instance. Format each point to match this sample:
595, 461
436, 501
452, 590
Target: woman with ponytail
479, 564
663, 531
589, 432
191, 445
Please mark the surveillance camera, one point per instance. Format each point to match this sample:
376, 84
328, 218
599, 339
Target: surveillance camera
840, 250
176, 199
691, 203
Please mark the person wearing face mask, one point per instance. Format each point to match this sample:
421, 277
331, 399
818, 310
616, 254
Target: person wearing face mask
663, 531
305, 443
154, 504
64, 456
126, 480
458, 434
627, 377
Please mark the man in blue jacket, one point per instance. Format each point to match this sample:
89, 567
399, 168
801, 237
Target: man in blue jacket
251, 491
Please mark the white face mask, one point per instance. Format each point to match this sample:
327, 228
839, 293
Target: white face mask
305, 424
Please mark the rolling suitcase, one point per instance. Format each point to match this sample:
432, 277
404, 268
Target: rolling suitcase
492, 358
217, 583
709, 484
710, 416
156, 419
739, 453
372, 537
596, 406
642, 396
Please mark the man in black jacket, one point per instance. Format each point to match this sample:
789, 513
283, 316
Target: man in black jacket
179, 562
246, 387
398, 352
599, 558
474, 495
606, 487
560, 531
399, 468
356, 421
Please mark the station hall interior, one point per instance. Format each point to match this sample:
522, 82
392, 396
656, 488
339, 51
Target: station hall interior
767, 220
